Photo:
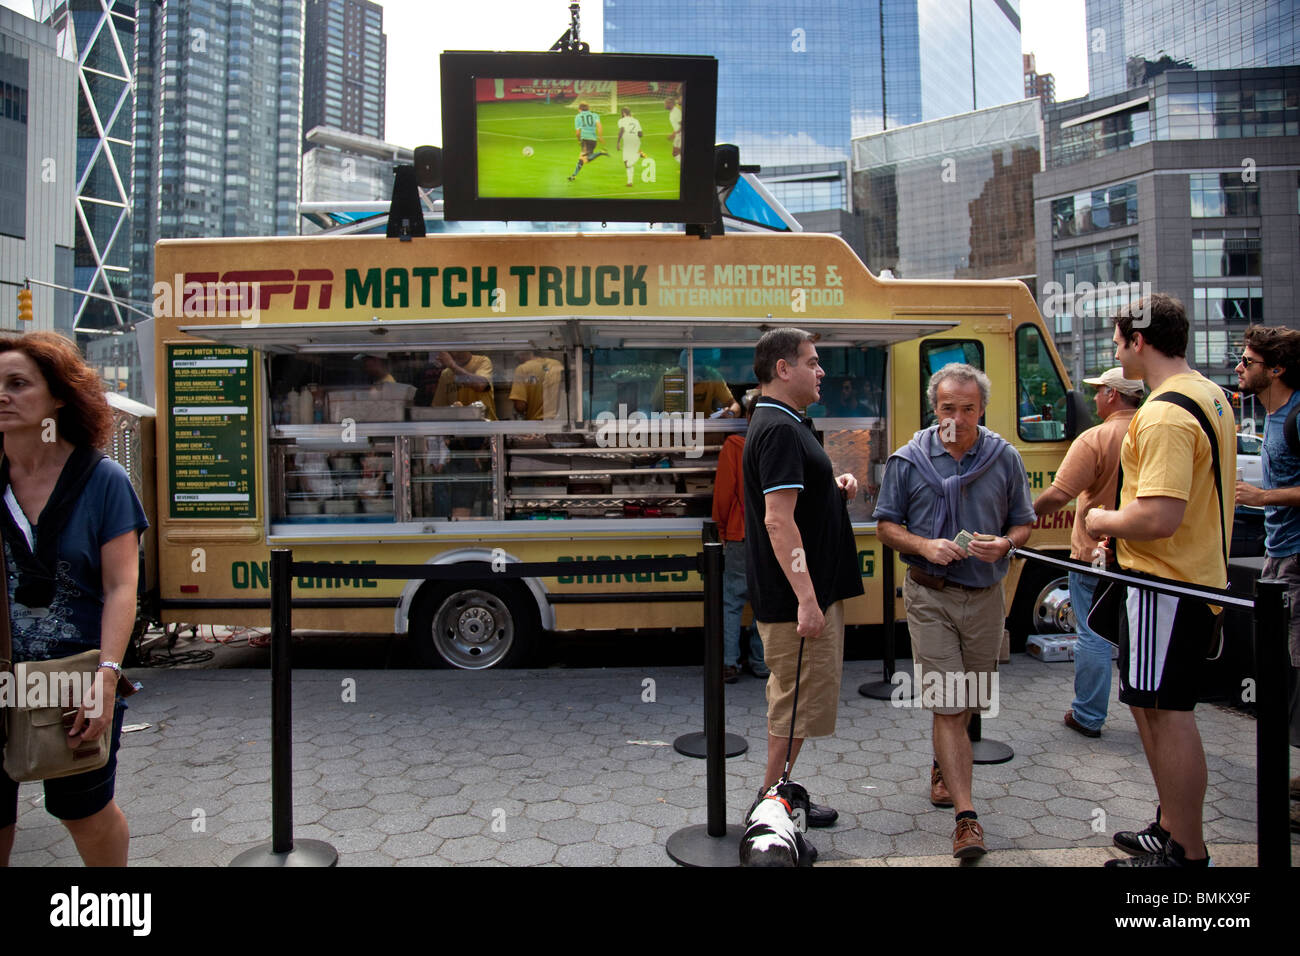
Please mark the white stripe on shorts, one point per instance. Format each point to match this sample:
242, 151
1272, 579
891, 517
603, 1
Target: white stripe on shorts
1150, 623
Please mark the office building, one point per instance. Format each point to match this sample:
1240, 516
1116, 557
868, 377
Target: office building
348, 167
98, 38
218, 123
1188, 184
799, 79
1133, 41
952, 198
344, 67
1042, 85
38, 183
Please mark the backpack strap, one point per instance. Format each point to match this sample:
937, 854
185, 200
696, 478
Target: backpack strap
1291, 429
1190, 405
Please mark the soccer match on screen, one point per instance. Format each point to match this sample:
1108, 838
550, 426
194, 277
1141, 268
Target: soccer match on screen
587, 139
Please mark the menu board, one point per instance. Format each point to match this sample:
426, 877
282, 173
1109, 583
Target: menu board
210, 460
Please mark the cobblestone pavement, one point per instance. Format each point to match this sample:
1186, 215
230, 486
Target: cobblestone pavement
575, 767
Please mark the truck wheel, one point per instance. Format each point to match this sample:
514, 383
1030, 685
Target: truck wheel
475, 628
1042, 606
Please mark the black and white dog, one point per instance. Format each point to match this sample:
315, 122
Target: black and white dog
772, 828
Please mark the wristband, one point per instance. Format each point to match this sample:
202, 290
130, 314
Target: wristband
115, 668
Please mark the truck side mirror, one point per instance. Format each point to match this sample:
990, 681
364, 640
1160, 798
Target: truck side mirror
1078, 415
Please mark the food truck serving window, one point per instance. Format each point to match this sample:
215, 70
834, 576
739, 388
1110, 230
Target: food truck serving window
409, 437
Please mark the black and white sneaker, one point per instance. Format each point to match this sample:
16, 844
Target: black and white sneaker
1170, 855
1154, 839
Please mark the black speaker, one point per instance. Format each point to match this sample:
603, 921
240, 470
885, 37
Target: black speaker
726, 164
405, 214
428, 167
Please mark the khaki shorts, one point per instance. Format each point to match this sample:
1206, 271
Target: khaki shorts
819, 681
956, 636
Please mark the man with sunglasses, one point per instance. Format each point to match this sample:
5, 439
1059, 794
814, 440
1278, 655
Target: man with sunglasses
1270, 369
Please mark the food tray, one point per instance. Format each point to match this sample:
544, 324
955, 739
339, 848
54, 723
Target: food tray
392, 410
448, 413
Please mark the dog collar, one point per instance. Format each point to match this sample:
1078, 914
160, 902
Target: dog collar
783, 801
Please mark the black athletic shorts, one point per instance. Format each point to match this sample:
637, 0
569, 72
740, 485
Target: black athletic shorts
1162, 649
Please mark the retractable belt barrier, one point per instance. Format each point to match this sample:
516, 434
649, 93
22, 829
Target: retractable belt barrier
284, 851
1271, 611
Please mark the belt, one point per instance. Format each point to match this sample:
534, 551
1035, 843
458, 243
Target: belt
937, 583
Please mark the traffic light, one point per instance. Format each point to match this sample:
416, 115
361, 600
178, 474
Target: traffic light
25, 305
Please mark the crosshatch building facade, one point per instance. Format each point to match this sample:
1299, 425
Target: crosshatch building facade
953, 198
1191, 184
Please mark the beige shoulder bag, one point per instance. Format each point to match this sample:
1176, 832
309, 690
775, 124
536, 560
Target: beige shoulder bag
36, 737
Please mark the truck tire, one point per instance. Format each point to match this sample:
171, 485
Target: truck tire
475, 626
1041, 606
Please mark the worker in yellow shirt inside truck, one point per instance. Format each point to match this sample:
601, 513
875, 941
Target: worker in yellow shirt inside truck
711, 395
538, 388
465, 378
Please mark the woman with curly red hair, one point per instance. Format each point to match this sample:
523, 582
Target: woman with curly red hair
70, 522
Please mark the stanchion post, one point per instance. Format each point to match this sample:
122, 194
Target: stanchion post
281, 701
714, 844
714, 766
283, 851
697, 744
885, 689
1271, 663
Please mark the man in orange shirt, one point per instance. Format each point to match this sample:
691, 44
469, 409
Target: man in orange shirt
1091, 471
729, 515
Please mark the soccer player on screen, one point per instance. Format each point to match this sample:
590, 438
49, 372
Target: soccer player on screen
586, 126
675, 121
629, 140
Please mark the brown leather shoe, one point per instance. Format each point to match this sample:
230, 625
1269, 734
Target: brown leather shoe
939, 795
1073, 723
968, 840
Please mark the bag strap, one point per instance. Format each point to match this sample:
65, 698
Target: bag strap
6, 638
1190, 404
1291, 429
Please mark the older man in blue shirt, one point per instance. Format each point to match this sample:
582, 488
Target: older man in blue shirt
955, 476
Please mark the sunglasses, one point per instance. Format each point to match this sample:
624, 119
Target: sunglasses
1246, 361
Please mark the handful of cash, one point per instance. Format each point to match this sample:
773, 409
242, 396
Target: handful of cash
964, 538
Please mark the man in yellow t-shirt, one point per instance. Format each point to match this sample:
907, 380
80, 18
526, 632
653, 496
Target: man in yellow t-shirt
465, 378
537, 387
1169, 524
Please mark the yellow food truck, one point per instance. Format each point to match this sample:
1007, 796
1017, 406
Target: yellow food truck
535, 397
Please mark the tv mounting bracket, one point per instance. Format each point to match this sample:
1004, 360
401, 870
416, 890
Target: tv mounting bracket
569, 42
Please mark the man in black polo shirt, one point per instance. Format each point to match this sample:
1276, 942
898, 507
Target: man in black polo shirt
802, 559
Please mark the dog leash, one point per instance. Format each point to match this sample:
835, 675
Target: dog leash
794, 712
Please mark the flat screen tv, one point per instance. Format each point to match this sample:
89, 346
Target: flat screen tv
590, 137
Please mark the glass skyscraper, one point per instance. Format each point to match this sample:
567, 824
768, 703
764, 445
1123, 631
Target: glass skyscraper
99, 35
798, 79
344, 67
218, 123
1132, 41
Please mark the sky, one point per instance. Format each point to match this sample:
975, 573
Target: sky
417, 30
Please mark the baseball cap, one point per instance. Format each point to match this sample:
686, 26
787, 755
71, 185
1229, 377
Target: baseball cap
1114, 378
